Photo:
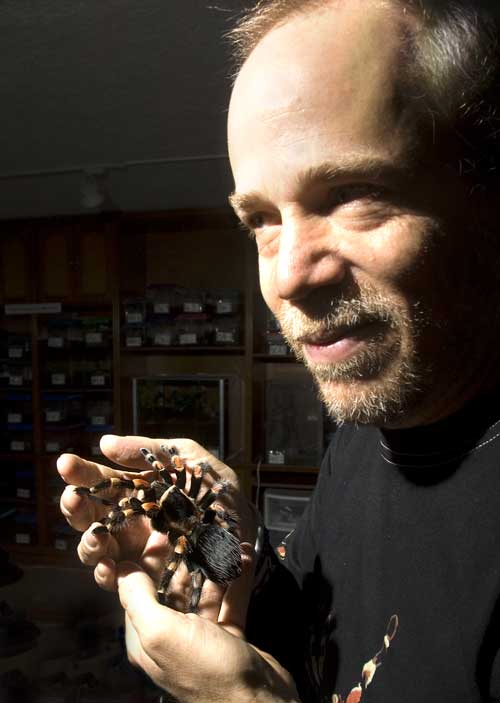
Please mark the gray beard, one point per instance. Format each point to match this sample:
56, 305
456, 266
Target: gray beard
379, 383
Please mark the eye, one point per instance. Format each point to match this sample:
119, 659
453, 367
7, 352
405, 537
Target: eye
347, 194
256, 221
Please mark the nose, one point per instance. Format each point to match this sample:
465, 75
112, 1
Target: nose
308, 258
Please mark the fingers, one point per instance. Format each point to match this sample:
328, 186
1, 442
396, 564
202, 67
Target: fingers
81, 472
126, 450
137, 594
92, 548
78, 510
105, 574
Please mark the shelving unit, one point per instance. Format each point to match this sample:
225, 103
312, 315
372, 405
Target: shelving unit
91, 266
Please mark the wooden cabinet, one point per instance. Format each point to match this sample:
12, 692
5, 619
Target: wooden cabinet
16, 263
75, 261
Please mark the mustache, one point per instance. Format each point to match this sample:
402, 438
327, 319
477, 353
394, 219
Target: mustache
342, 315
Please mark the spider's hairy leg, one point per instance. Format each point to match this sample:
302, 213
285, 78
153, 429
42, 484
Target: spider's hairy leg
217, 490
180, 471
150, 509
156, 464
178, 465
130, 484
84, 492
197, 478
118, 516
197, 581
170, 569
227, 519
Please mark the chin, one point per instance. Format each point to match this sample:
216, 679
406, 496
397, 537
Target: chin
383, 397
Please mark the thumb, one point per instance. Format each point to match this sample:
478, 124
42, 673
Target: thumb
137, 594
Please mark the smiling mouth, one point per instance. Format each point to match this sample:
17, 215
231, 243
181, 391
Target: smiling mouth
328, 337
335, 346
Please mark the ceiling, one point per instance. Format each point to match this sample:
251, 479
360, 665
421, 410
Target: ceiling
135, 91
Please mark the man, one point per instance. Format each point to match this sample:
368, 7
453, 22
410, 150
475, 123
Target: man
362, 137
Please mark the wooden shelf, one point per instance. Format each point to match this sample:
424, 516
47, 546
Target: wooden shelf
275, 358
78, 390
182, 350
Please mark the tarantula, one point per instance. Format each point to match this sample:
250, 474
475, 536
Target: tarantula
200, 531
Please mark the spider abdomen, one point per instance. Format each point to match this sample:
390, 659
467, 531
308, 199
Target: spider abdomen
217, 552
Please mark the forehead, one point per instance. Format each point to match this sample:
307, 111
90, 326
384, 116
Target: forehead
330, 73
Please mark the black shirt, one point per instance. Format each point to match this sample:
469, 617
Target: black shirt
390, 587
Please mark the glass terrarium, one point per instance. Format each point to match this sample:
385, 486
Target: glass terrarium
182, 406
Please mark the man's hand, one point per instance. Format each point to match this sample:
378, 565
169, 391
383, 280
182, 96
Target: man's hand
200, 658
194, 659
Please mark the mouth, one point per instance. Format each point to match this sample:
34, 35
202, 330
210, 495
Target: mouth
335, 346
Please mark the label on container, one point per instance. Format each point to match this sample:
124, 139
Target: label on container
15, 352
133, 341
23, 538
97, 379
224, 337
15, 380
223, 307
14, 418
93, 338
161, 308
55, 342
17, 445
97, 420
134, 317
23, 493
192, 307
275, 457
58, 379
188, 338
163, 339
278, 349
53, 415
61, 544
52, 446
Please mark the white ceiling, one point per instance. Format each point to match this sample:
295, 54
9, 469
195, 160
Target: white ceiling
138, 87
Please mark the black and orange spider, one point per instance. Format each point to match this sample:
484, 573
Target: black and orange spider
201, 531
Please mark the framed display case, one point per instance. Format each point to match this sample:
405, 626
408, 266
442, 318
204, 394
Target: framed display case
193, 406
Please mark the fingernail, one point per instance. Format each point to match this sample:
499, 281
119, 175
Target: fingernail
92, 540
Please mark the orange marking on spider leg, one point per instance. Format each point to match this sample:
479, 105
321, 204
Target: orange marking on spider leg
198, 471
178, 463
129, 512
115, 482
150, 506
123, 502
140, 483
172, 566
181, 545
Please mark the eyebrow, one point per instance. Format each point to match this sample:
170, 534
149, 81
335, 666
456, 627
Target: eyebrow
356, 167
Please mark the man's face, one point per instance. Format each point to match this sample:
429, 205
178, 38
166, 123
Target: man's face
359, 231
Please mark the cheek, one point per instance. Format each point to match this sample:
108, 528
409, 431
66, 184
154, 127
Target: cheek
396, 252
267, 281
